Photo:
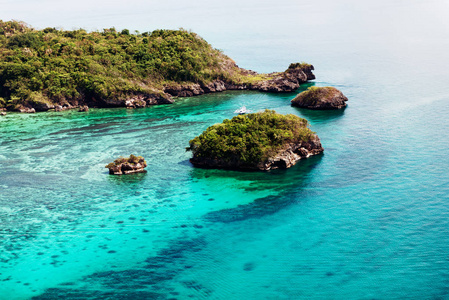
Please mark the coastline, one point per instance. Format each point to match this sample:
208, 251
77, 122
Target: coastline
56, 69
277, 82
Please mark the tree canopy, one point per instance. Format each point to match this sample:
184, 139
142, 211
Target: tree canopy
55, 66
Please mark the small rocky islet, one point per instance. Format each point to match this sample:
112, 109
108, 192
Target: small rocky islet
256, 141
320, 98
129, 165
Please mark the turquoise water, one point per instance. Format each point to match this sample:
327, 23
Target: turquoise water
369, 219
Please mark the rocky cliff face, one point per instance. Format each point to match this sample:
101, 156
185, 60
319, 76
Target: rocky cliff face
292, 153
287, 81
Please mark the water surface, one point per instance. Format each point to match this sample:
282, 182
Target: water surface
368, 219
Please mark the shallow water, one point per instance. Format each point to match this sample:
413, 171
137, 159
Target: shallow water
368, 219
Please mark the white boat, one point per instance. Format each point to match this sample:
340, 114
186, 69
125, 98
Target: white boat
242, 110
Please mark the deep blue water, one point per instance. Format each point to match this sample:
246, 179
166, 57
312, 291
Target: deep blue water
369, 219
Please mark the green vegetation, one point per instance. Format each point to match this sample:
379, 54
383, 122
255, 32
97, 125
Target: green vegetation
314, 94
132, 159
300, 65
250, 139
52, 66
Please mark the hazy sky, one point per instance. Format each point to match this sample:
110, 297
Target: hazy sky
233, 25
252, 14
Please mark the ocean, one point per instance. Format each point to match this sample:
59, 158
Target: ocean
368, 219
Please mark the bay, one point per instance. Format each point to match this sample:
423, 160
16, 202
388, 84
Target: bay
368, 219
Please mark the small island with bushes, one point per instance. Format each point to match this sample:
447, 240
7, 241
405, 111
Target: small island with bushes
58, 69
257, 141
320, 98
123, 165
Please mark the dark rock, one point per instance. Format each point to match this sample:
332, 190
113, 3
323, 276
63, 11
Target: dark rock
287, 81
230, 86
42, 106
320, 98
140, 101
28, 110
158, 99
135, 101
84, 108
292, 153
58, 108
121, 166
184, 90
215, 86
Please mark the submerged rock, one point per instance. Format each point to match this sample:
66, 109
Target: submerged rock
320, 98
122, 165
258, 141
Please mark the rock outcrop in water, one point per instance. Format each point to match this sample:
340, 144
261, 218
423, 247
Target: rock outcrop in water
320, 98
259, 141
122, 165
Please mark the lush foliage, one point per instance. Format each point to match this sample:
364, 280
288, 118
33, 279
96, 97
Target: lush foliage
300, 65
250, 139
56, 66
132, 159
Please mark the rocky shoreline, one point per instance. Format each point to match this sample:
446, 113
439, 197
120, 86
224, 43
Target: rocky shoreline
256, 141
279, 82
320, 98
284, 159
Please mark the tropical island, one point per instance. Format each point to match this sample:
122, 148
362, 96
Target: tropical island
257, 141
50, 68
320, 98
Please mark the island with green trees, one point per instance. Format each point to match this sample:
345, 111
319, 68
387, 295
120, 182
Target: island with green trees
257, 141
58, 69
